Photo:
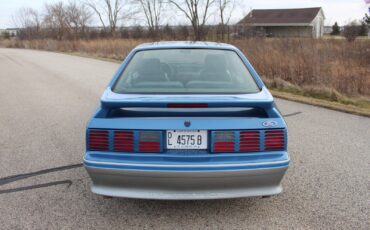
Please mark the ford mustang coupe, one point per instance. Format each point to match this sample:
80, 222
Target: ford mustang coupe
184, 121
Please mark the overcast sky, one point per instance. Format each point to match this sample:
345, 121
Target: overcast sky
342, 11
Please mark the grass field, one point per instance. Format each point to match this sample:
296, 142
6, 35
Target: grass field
328, 69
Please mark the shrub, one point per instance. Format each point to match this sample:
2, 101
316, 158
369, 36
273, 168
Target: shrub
351, 31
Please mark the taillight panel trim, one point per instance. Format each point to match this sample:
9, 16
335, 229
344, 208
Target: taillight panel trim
150, 141
131, 136
249, 141
242, 141
275, 140
223, 145
254, 140
123, 141
98, 140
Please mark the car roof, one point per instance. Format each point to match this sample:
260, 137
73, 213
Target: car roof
184, 44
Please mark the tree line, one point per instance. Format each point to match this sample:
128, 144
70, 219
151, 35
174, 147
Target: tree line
353, 29
77, 19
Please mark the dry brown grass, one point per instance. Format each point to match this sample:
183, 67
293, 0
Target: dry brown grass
105, 48
315, 64
330, 69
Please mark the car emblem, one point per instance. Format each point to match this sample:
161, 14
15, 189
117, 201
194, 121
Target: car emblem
269, 123
187, 123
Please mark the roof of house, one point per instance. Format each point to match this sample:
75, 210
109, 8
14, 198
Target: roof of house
281, 16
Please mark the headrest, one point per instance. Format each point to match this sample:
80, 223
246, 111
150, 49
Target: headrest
150, 66
215, 63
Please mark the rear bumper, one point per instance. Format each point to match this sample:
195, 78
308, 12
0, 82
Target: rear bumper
186, 182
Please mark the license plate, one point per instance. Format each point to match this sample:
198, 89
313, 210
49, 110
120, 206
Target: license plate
185, 139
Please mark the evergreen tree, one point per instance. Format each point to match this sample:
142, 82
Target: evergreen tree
367, 19
364, 29
336, 29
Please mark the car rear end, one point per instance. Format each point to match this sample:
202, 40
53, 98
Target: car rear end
243, 150
186, 146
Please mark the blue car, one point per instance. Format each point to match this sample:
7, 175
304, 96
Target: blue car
186, 121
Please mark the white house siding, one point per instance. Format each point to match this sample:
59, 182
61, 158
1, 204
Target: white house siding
318, 25
289, 31
12, 32
305, 22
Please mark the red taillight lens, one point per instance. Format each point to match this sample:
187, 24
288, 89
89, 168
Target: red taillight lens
150, 142
223, 141
98, 140
249, 141
123, 141
274, 140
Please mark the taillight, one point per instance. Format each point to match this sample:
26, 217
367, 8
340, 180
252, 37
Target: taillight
123, 141
249, 141
150, 141
223, 141
274, 140
98, 140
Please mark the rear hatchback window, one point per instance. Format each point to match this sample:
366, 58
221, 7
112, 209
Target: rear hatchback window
186, 71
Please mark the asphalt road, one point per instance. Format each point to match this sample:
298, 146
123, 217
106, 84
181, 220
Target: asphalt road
45, 102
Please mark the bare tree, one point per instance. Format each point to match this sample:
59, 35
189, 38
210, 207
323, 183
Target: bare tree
27, 17
78, 17
197, 12
225, 9
29, 21
107, 10
56, 19
152, 10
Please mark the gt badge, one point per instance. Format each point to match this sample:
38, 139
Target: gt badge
269, 123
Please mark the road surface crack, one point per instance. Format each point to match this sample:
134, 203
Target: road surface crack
13, 178
292, 114
69, 182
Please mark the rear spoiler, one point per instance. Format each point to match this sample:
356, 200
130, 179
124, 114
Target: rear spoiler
185, 104
263, 100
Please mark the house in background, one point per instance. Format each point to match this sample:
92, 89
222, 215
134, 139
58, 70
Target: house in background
12, 32
304, 22
329, 29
